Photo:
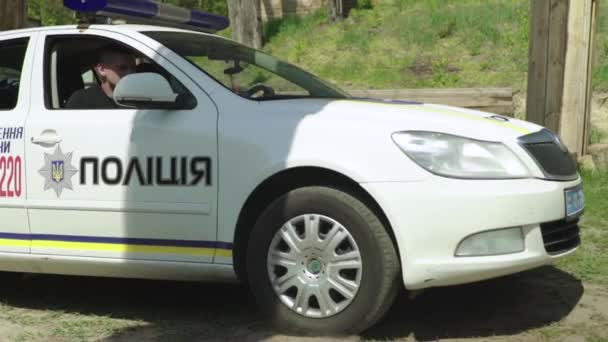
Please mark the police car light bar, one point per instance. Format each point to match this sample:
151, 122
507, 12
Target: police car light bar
149, 12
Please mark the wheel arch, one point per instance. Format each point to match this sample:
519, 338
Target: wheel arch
284, 181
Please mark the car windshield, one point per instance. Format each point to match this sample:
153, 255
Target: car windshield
247, 72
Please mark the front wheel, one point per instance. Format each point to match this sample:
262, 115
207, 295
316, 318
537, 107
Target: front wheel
320, 262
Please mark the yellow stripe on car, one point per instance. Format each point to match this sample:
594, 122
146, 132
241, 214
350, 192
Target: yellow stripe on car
423, 108
118, 248
123, 248
14, 243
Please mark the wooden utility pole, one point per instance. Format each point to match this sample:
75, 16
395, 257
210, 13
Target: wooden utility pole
12, 14
246, 21
560, 64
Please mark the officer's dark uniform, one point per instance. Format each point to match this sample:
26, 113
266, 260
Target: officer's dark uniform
91, 98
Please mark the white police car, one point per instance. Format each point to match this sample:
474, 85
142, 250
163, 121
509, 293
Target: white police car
227, 163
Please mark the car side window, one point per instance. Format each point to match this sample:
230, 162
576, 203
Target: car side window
249, 73
241, 76
12, 54
72, 71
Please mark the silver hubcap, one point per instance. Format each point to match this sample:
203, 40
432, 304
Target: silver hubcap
314, 265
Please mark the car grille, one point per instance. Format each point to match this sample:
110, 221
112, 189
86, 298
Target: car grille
552, 157
560, 236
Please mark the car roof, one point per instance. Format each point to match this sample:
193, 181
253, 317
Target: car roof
109, 27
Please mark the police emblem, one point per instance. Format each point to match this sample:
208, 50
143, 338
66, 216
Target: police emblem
58, 171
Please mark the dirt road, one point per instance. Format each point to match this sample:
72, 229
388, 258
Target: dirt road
544, 304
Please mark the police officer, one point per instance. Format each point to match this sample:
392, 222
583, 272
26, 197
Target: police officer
114, 63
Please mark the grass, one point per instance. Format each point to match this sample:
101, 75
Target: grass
404, 43
590, 262
411, 44
598, 136
421, 44
61, 326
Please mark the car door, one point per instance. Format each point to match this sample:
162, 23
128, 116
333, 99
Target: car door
117, 183
16, 53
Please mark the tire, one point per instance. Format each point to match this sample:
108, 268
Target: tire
333, 310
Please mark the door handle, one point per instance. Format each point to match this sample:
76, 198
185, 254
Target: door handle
47, 138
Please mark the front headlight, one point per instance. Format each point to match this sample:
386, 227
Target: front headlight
454, 156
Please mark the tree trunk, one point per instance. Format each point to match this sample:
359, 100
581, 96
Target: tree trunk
339, 9
246, 22
12, 14
335, 9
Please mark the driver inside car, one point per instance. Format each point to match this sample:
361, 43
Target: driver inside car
114, 63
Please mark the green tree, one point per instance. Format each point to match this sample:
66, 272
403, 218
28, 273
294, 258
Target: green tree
212, 6
50, 12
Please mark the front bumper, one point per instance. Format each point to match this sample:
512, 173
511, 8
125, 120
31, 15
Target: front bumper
430, 218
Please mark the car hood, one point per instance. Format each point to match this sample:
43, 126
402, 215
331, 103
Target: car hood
402, 115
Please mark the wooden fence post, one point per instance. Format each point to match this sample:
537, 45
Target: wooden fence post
560, 63
12, 14
575, 125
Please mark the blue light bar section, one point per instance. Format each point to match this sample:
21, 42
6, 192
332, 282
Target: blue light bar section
198, 18
136, 8
85, 5
150, 9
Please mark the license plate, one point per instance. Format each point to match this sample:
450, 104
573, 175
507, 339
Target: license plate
575, 201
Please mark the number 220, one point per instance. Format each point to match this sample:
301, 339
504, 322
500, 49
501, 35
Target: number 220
10, 171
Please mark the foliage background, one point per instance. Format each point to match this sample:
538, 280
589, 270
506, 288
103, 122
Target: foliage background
399, 43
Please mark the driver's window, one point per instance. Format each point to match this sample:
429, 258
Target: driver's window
248, 80
72, 80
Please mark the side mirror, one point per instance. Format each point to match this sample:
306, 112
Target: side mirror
150, 90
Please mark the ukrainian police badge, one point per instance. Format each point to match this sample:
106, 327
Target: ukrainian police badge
58, 171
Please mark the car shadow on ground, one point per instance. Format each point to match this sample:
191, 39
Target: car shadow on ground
502, 306
192, 311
